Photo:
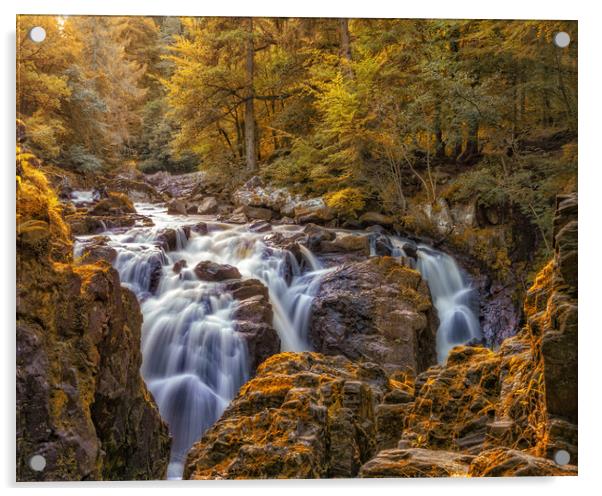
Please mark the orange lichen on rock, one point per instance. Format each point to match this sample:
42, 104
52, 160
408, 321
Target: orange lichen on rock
318, 421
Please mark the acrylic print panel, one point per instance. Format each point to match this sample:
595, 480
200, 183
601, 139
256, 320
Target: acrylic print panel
295, 248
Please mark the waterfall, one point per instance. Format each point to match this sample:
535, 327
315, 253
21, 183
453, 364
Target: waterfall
455, 300
194, 361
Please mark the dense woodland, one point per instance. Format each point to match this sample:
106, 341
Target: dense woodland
363, 111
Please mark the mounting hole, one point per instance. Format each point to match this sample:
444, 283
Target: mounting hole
562, 39
37, 463
562, 457
37, 34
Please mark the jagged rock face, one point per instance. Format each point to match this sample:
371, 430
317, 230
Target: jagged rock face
559, 346
474, 401
81, 402
304, 415
375, 310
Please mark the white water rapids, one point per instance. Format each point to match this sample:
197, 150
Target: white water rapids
193, 360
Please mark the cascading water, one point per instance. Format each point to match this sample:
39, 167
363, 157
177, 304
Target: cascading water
194, 361
455, 300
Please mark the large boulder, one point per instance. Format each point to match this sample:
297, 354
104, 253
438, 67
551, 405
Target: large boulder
177, 207
313, 210
375, 218
258, 213
207, 206
375, 310
214, 272
304, 415
344, 243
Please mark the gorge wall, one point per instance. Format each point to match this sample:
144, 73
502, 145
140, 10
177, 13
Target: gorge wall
81, 402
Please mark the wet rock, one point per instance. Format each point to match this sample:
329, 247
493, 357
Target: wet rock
390, 419
208, 206
200, 228
371, 218
304, 415
176, 207
179, 265
242, 289
264, 214
382, 245
155, 273
259, 226
505, 462
214, 272
252, 317
410, 249
82, 223
375, 310
562, 435
237, 218
285, 220
316, 235
347, 243
417, 462
313, 210
167, 239
499, 316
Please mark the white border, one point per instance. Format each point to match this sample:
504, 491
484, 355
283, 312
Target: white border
590, 190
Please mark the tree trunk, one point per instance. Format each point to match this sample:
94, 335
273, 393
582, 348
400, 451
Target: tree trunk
345, 46
438, 132
250, 144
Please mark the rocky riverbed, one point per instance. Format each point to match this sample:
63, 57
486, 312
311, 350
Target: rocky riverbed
278, 341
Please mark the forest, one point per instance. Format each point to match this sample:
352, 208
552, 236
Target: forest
296, 247
365, 111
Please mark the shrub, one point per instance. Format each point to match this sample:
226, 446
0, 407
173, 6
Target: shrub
346, 201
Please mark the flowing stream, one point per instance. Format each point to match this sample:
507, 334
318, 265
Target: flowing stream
193, 360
